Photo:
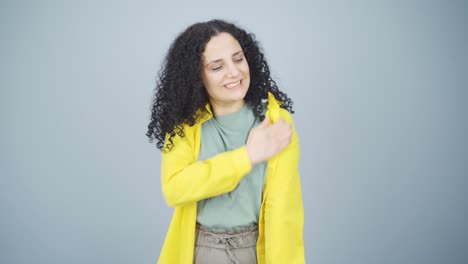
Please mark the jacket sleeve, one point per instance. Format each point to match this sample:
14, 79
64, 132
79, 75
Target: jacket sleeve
284, 213
185, 180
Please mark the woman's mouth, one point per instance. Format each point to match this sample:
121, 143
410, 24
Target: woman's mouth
234, 85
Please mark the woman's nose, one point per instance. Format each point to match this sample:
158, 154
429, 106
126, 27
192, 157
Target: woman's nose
233, 70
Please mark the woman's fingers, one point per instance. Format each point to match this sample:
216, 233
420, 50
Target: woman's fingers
265, 122
281, 129
281, 134
265, 140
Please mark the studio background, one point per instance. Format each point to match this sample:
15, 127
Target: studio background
379, 90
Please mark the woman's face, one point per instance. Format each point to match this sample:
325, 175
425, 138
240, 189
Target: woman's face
225, 72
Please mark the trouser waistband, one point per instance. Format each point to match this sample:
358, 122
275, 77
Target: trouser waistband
227, 239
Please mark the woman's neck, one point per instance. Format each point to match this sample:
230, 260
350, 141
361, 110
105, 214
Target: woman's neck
220, 109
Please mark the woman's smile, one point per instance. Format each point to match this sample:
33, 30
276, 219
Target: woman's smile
234, 85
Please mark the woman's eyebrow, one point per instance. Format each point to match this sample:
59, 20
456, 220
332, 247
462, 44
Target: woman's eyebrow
218, 60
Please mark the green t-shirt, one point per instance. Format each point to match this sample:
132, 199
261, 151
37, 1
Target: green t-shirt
241, 206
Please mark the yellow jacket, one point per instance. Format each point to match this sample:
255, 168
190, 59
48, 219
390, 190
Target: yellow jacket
185, 181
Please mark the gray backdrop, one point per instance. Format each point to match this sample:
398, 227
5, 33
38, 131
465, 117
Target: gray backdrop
380, 90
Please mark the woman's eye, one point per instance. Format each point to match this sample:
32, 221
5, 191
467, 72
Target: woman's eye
218, 68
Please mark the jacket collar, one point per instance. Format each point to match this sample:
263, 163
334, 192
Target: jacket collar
272, 112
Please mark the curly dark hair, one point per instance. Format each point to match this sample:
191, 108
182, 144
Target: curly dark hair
180, 90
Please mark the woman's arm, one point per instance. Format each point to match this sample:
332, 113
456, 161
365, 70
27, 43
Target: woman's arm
185, 180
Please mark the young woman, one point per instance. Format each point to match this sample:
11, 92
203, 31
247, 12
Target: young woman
230, 152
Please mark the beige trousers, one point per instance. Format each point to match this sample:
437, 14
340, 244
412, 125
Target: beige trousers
221, 246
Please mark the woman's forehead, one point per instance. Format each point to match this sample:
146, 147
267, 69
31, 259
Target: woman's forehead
220, 46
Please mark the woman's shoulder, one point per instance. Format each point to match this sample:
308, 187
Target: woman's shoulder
274, 105
183, 135
284, 113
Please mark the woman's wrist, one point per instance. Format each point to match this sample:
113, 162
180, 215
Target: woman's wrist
252, 157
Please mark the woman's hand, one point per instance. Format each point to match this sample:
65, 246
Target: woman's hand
265, 140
